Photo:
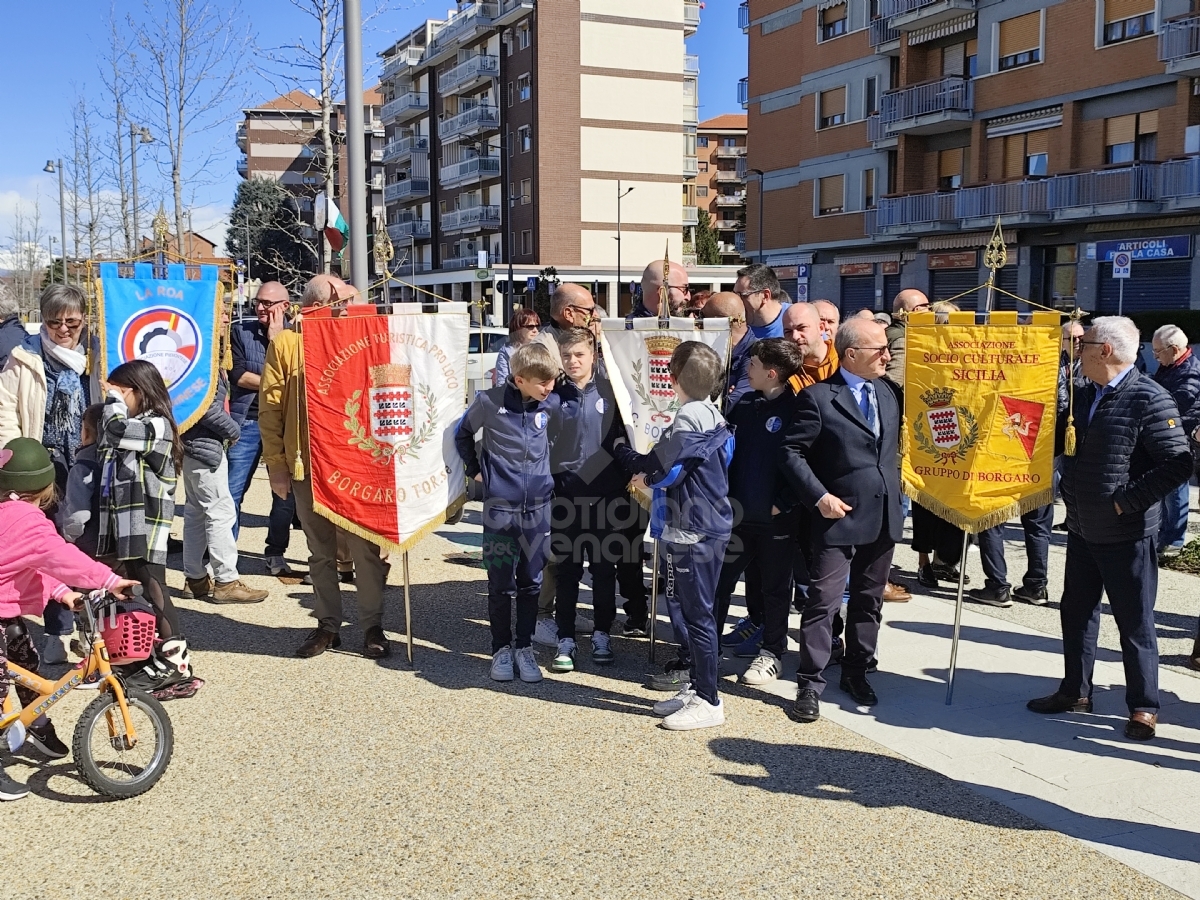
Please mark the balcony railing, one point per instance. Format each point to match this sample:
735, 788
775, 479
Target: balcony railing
728, 225
919, 13
469, 71
401, 148
241, 137
953, 94
472, 217
728, 176
243, 166
477, 118
690, 167
406, 106
743, 92
730, 152
1009, 198
691, 64
470, 170
882, 33
1179, 40
744, 15
691, 14
1104, 186
409, 56
739, 241
420, 229
691, 215
875, 130
405, 189
738, 199
466, 21
1181, 178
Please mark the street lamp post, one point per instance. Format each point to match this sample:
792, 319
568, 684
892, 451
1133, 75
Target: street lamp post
137, 134
620, 195
52, 166
761, 203
50, 239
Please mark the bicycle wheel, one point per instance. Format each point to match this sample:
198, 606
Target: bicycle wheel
106, 761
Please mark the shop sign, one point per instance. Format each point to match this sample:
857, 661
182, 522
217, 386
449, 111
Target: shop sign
964, 259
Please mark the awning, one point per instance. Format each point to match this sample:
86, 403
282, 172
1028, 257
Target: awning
970, 239
866, 258
1047, 117
942, 29
1144, 224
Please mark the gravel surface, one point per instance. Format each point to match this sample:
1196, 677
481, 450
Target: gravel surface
340, 777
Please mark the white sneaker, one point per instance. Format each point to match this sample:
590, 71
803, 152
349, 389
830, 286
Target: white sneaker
545, 632
54, 648
696, 713
664, 708
765, 669
527, 666
502, 665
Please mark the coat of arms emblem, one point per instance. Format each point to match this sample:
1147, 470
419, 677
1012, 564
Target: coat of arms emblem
391, 403
658, 394
401, 415
952, 430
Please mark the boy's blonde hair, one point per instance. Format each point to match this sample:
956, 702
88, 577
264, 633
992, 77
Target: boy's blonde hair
535, 361
697, 368
43, 499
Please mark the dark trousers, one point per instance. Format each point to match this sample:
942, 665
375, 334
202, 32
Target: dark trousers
153, 577
935, 535
1128, 574
771, 550
1036, 524
630, 519
692, 571
16, 644
579, 533
868, 567
244, 455
514, 552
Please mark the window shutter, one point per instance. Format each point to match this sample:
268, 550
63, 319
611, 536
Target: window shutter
830, 192
1020, 34
833, 103
972, 47
1120, 130
1014, 156
1116, 10
1148, 122
950, 162
953, 59
1037, 142
837, 13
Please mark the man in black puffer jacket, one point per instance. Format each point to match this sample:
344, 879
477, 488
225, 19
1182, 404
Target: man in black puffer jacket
210, 514
1179, 372
1131, 451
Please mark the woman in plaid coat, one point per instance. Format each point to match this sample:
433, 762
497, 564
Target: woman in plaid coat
140, 454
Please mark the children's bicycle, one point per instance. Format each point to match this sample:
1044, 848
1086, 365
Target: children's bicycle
123, 740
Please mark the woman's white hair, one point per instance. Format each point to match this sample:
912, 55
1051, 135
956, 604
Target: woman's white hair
1119, 333
1171, 336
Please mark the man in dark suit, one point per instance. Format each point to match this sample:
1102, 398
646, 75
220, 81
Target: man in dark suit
840, 458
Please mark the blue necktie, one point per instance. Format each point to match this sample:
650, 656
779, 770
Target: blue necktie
867, 407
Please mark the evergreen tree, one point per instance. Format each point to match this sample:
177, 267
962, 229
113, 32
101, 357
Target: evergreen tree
266, 230
708, 249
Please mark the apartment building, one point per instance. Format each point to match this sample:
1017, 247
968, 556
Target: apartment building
282, 139
893, 133
523, 131
721, 180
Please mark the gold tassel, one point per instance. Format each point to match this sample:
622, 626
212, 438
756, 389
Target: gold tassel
905, 440
1069, 437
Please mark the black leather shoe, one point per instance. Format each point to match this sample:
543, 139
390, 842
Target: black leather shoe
317, 642
375, 643
859, 689
807, 707
926, 577
1060, 703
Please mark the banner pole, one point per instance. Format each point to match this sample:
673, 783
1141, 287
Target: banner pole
958, 604
653, 612
408, 610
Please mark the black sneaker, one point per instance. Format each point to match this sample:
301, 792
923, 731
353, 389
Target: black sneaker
9, 789
635, 629
674, 677
1036, 596
47, 741
992, 596
948, 573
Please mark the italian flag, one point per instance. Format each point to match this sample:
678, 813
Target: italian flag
337, 232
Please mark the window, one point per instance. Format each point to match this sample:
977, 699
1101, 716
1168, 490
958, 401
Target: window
833, 22
701, 141
702, 190
525, 138
959, 59
831, 195
308, 124
729, 142
524, 88
832, 107
1059, 263
950, 169
1027, 154
870, 96
702, 166
508, 42
306, 152
1131, 138
868, 189
1021, 41
1125, 20
510, 93
523, 37
526, 242
526, 191
311, 179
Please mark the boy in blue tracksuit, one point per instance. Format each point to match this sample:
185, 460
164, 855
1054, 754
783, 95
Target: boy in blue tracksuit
692, 518
519, 421
589, 491
765, 533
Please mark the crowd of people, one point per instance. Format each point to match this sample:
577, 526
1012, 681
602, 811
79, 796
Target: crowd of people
781, 468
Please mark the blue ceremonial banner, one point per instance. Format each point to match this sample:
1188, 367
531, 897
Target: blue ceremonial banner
171, 322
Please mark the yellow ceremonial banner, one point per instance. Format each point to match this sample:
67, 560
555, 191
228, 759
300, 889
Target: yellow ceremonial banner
979, 408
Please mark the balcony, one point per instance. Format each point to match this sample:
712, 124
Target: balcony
507, 11
241, 137
1179, 45
944, 104
469, 122
739, 242
399, 149
744, 16
405, 59
691, 114
691, 215
730, 152
691, 16
473, 218
468, 74
728, 176
877, 134
743, 92
406, 107
737, 199
1024, 202
909, 15
405, 189
469, 171
728, 225
884, 38
243, 167
691, 64
1181, 183
1105, 193
913, 213
462, 26
418, 229
690, 167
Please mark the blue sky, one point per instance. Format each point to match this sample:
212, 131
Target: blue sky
62, 46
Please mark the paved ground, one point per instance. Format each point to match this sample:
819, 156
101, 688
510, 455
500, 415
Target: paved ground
341, 777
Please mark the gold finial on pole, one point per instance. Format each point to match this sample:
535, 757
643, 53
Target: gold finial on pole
384, 254
995, 257
664, 290
162, 230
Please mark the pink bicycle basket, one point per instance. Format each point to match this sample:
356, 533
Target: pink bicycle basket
128, 631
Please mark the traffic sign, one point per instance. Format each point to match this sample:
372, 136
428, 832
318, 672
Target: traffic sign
531, 283
1122, 264
483, 274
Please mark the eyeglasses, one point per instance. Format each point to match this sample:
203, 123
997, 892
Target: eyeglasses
1093, 343
870, 349
268, 303
590, 310
683, 289
745, 294
72, 324
922, 307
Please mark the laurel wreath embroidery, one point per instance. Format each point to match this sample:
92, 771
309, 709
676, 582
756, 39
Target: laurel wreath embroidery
970, 438
672, 407
383, 454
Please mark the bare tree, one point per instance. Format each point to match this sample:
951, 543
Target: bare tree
194, 53
83, 172
25, 254
116, 74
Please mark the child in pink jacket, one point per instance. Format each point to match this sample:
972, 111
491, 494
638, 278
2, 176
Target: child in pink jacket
34, 564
